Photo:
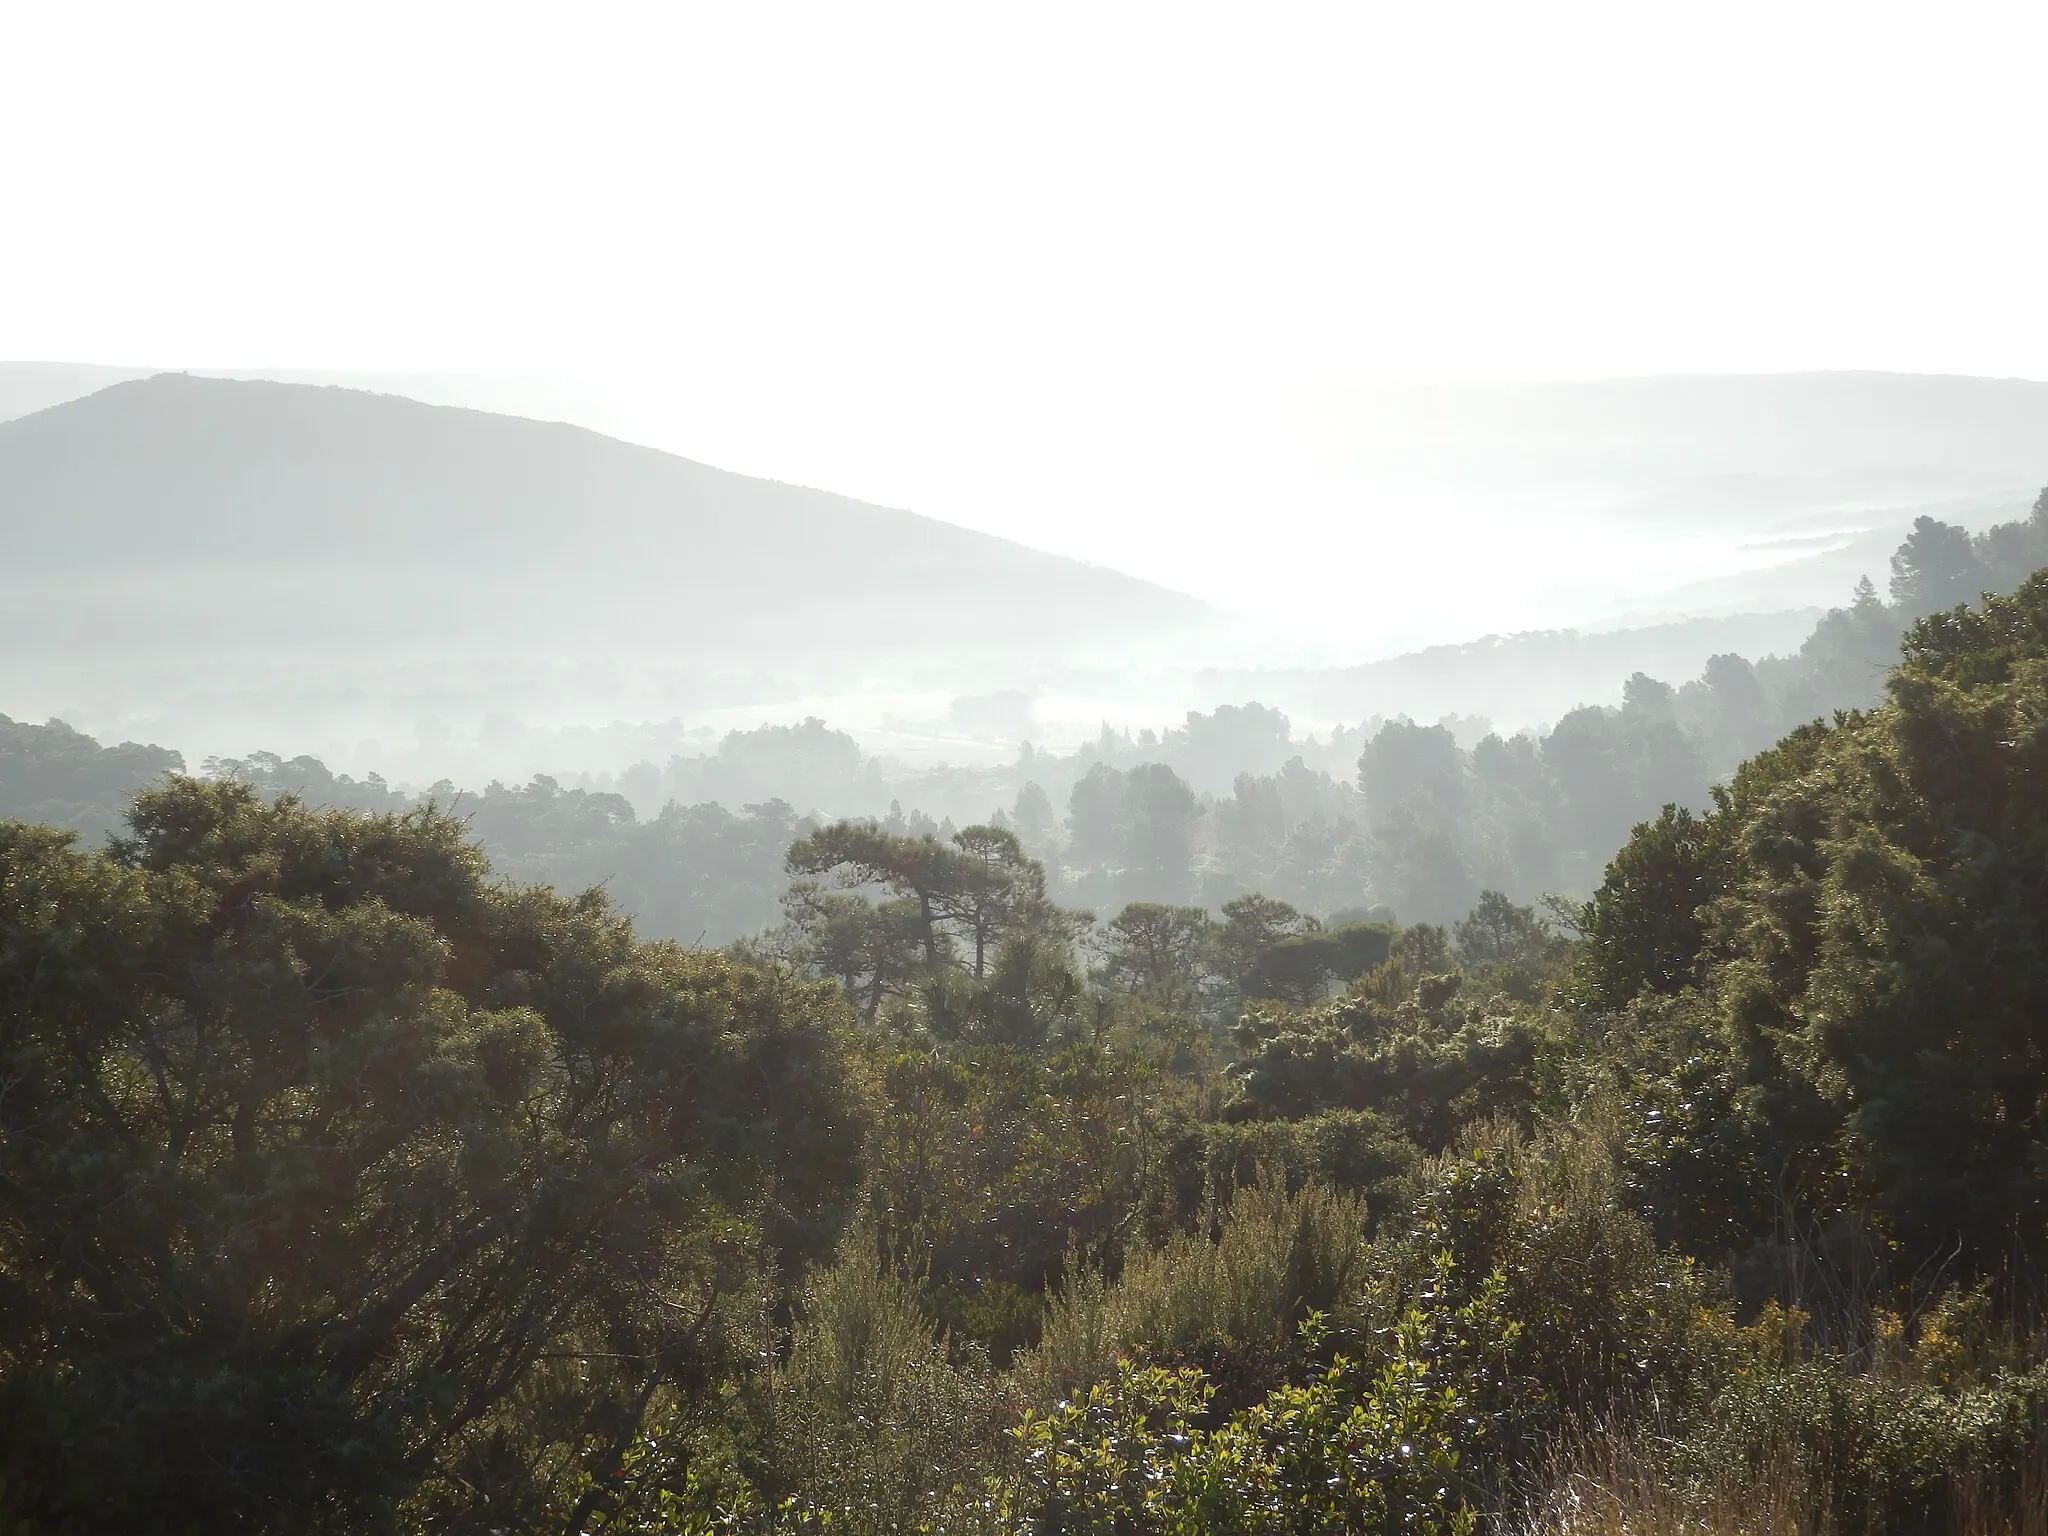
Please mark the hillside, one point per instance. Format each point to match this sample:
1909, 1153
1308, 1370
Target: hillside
29, 387
1515, 681
422, 588
1236, 1226
1603, 502
195, 511
195, 559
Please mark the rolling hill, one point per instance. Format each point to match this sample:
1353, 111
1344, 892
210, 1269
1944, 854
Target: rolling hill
188, 514
228, 563
234, 564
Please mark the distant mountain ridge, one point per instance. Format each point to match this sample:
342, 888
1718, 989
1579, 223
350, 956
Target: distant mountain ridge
178, 511
26, 388
1517, 680
1735, 469
226, 562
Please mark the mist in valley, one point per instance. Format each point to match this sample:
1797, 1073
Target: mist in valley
882, 769
630, 670
443, 593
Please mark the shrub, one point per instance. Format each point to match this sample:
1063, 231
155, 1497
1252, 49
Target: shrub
1547, 1297
1235, 1300
1812, 1447
1358, 1151
875, 1428
1350, 1451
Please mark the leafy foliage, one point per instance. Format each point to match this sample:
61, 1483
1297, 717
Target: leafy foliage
337, 1181
1861, 927
1344, 1452
344, 1188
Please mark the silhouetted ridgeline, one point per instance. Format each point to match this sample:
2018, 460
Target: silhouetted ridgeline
336, 517
220, 563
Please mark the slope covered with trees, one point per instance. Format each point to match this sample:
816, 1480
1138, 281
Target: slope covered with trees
347, 1190
1848, 951
60, 777
1386, 818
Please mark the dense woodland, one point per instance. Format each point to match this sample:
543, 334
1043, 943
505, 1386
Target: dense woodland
1290, 1159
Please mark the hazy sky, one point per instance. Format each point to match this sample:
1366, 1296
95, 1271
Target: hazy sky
1060, 271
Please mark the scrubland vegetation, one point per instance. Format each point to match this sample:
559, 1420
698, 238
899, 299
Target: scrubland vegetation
1024, 1177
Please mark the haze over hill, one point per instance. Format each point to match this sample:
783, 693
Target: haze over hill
308, 491
1506, 506
440, 591
236, 548
1625, 500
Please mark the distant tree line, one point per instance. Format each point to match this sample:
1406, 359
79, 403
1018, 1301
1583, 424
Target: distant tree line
1384, 819
61, 777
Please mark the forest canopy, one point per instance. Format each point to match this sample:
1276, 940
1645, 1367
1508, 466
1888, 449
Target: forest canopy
346, 1184
339, 1181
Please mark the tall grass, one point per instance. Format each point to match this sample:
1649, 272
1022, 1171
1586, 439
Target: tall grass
1813, 1449
1612, 1483
1274, 1258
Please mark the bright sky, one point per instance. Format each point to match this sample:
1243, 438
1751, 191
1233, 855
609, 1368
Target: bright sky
1063, 272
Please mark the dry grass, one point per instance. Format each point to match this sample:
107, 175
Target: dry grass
1979, 1508
1613, 1484
1610, 1485
1275, 1257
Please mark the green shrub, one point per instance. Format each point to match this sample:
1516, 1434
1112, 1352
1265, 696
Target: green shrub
1350, 1451
1408, 1049
1811, 1446
875, 1428
1546, 1297
1358, 1151
1235, 1300
1875, 1455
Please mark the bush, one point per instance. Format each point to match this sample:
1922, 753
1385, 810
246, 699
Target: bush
1812, 1447
1235, 1300
1875, 1455
1350, 1451
875, 1428
1543, 1294
1355, 1150
1409, 1050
